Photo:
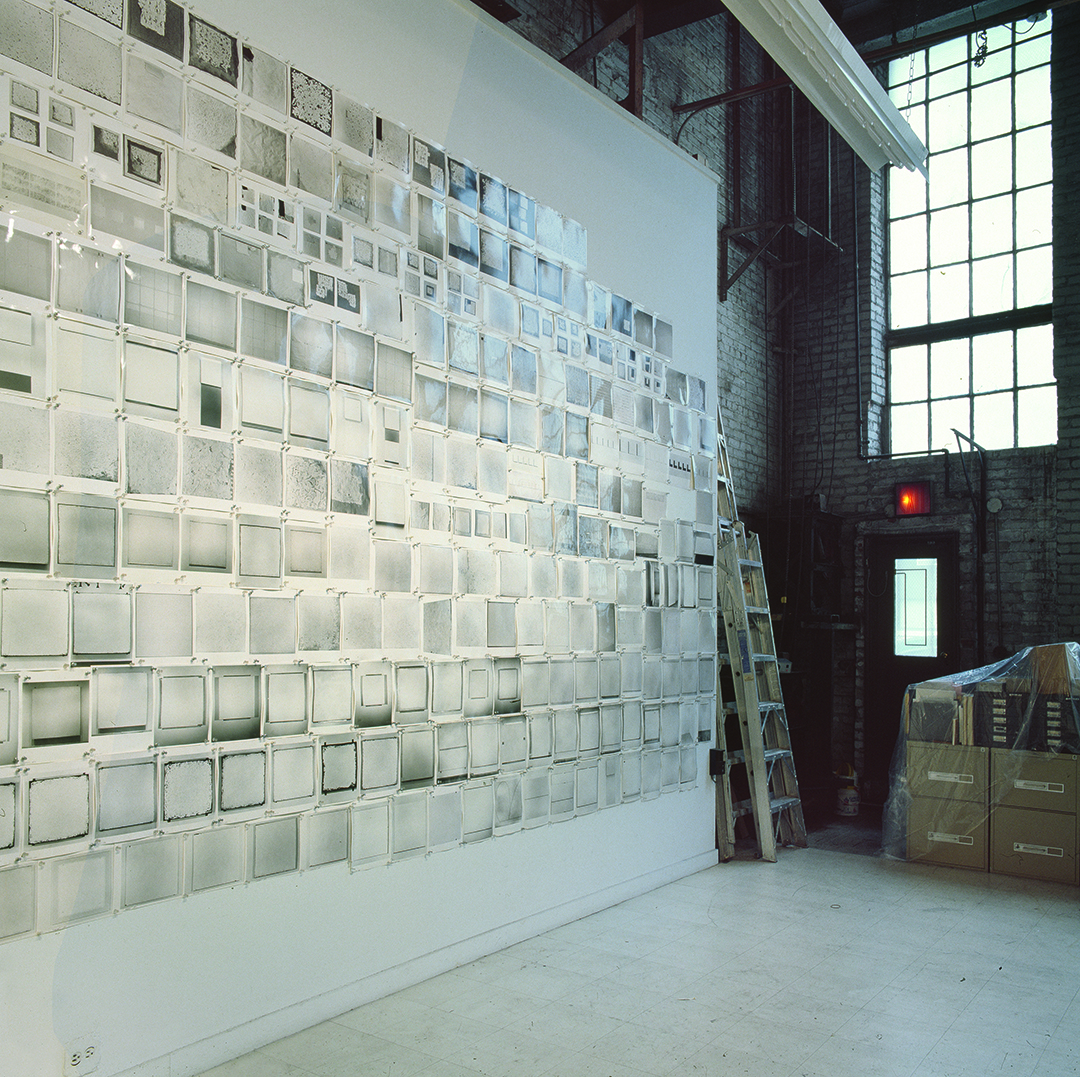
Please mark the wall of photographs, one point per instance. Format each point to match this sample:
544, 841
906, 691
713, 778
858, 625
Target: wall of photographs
343, 517
329, 478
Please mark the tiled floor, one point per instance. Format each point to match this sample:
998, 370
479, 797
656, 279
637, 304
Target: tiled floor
825, 964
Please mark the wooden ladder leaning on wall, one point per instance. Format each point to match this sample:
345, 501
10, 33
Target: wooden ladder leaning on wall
764, 750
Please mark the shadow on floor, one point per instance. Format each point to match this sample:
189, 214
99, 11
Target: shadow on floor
859, 834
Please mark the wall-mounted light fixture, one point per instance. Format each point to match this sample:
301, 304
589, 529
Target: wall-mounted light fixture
814, 53
914, 498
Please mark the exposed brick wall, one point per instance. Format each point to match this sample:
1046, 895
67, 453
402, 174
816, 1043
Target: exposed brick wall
805, 413
1065, 91
1032, 559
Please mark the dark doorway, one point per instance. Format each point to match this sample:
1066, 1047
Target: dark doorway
912, 635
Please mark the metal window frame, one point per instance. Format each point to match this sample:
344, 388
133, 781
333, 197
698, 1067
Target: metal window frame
972, 326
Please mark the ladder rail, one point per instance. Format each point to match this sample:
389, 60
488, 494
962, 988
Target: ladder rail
766, 753
744, 677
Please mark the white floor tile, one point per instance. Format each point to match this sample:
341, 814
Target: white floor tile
543, 982
654, 1050
838, 1057
255, 1065
505, 1056
563, 1023
780, 1045
822, 965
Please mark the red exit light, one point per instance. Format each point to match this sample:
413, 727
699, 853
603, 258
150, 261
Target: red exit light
913, 498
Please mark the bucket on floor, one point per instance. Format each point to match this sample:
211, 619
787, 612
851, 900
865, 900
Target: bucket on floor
847, 793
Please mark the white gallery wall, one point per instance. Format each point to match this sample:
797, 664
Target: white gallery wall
357, 508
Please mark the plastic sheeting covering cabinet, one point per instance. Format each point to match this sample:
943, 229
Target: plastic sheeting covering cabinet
984, 775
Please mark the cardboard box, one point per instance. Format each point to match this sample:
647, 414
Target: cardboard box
932, 711
1034, 844
951, 771
1051, 670
1033, 780
952, 832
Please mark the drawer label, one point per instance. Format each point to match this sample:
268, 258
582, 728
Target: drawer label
947, 776
949, 839
1039, 787
1038, 850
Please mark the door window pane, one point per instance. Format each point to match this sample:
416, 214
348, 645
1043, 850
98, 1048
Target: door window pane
915, 607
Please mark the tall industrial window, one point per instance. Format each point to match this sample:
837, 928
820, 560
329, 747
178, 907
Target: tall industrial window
970, 344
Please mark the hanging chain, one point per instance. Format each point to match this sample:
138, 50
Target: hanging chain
910, 81
911, 64
981, 47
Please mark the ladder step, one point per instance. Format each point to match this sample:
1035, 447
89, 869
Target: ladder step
738, 755
778, 804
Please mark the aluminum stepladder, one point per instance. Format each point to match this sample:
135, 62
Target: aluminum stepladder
765, 750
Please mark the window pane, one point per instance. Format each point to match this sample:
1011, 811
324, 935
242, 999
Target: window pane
907, 375
1033, 97
992, 361
949, 236
948, 122
1034, 214
945, 416
916, 118
1033, 161
915, 607
908, 428
992, 285
991, 167
907, 300
948, 178
994, 421
992, 226
949, 293
903, 90
948, 53
949, 367
1036, 416
907, 192
1031, 50
906, 67
1035, 355
991, 109
907, 244
1034, 276
948, 81
997, 64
